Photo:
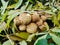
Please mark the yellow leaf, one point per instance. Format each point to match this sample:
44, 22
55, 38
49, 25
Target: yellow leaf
23, 35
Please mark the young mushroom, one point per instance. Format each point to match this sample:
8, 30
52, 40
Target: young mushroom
40, 22
35, 17
42, 28
31, 28
17, 21
43, 17
22, 27
25, 18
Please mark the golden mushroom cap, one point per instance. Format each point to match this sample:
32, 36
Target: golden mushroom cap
22, 27
31, 28
43, 17
17, 21
35, 17
25, 18
40, 22
42, 28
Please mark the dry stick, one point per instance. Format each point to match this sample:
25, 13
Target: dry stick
9, 37
16, 28
58, 1
2, 35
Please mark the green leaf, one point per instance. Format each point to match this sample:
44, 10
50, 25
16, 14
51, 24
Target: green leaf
32, 1
11, 6
15, 38
0, 43
13, 29
40, 4
16, 0
0, 30
47, 3
56, 30
2, 26
4, 6
23, 35
49, 12
4, 16
55, 21
55, 38
7, 42
51, 44
48, 36
41, 33
41, 41
27, 3
13, 12
30, 37
18, 4
29, 7
58, 7
58, 16
23, 8
11, 16
23, 43
53, 9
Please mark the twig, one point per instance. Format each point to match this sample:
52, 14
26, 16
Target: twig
2, 35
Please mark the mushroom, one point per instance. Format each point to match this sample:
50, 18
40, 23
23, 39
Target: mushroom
22, 27
25, 18
35, 17
17, 21
31, 28
43, 17
42, 28
40, 22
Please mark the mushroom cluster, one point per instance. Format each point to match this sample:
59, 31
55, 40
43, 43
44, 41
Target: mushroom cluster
31, 23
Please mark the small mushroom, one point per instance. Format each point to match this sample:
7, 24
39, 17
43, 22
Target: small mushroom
35, 17
42, 28
31, 28
17, 21
43, 17
45, 23
22, 27
40, 22
25, 18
